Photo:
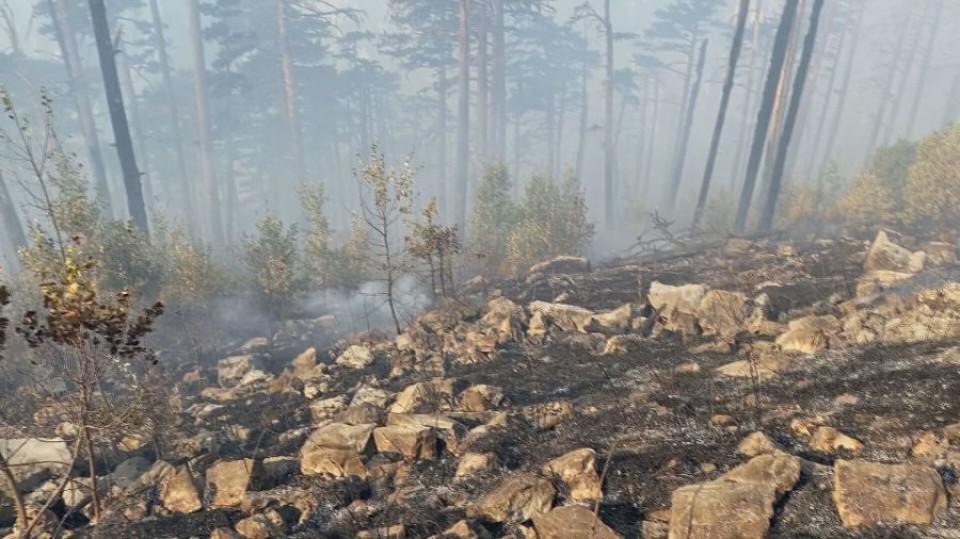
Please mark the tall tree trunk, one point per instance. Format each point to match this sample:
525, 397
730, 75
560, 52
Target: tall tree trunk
290, 106
500, 80
442, 195
681, 119
796, 98
844, 92
149, 195
562, 101
777, 57
925, 67
202, 111
584, 114
8, 212
550, 115
952, 111
746, 122
483, 86
814, 157
608, 149
463, 119
160, 46
722, 114
652, 139
901, 92
118, 117
680, 161
641, 139
67, 40
887, 90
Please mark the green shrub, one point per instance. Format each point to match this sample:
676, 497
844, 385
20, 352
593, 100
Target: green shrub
932, 192
272, 260
494, 216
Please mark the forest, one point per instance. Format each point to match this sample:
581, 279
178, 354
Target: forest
479, 268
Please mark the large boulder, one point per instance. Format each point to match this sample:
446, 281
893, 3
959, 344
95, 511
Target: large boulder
810, 334
571, 522
577, 469
888, 262
450, 431
412, 442
749, 491
505, 318
234, 370
481, 398
356, 357
342, 436
431, 396
336, 450
870, 493
723, 313
517, 499
668, 299
228, 480
566, 317
178, 491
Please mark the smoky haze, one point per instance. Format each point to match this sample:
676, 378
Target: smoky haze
303, 107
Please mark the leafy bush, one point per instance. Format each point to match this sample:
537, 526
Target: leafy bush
870, 202
436, 245
494, 215
552, 222
272, 260
932, 192
317, 254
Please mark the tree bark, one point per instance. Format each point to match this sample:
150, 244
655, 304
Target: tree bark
952, 111
900, 93
777, 57
680, 161
8, 211
796, 98
925, 67
463, 120
118, 116
500, 81
67, 40
584, 114
748, 100
290, 106
160, 45
681, 119
150, 197
202, 111
825, 109
442, 195
652, 139
608, 146
483, 87
887, 90
722, 114
844, 88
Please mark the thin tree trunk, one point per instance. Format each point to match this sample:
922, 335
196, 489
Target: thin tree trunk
149, 195
887, 90
952, 111
845, 87
500, 81
777, 57
67, 40
680, 161
290, 106
900, 93
748, 100
584, 114
609, 153
202, 111
652, 142
796, 98
925, 68
442, 194
118, 117
681, 119
641, 139
160, 45
561, 125
825, 109
551, 127
463, 119
11, 223
483, 87
722, 114
13, 491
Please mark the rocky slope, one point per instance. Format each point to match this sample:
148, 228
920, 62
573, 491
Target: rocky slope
744, 391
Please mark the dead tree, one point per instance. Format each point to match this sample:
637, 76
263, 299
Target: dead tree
118, 116
796, 97
681, 154
779, 54
722, 114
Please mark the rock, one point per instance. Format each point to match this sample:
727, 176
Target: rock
336, 463
615, 321
370, 395
748, 491
224, 533
362, 414
304, 501
228, 480
451, 432
571, 522
475, 463
391, 532
722, 313
891, 261
34, 460
621, 344
566, 317
548, 415
178, 491
325, 409
354, 438
577, 469
809, 335
481, 398
930, 447
268, 525
940, 253
668, 299
757, 443
356, 357
561, 265
231, 370
505, 318
463, 530
870, 493
829, 440
413, 442
432, 396
305, 366
518, 498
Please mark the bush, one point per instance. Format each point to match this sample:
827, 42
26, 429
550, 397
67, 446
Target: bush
272, 261
553, 222
870, 202
494, 215
932, 192
317, 254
